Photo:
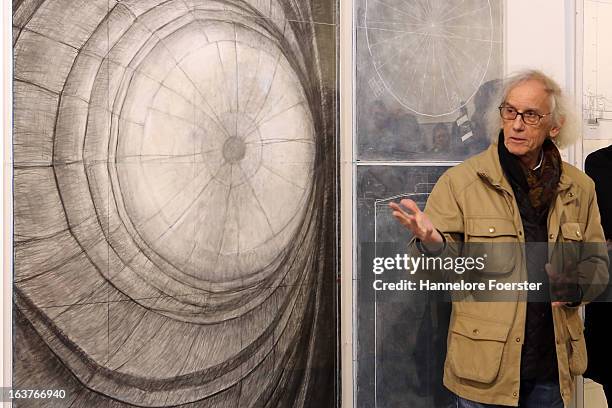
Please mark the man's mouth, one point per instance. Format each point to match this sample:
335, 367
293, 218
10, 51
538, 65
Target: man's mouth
517, 139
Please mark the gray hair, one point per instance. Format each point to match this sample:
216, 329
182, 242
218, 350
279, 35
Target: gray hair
563, 115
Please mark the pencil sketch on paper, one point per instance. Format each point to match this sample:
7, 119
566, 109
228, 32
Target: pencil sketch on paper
425, 62
401, 335
174, 202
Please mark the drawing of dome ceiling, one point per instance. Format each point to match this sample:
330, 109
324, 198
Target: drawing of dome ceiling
172, 199
431, 57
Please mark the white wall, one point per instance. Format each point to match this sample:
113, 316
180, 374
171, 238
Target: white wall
540, 35
536, 36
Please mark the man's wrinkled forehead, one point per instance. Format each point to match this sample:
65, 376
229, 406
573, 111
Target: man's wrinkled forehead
529, 95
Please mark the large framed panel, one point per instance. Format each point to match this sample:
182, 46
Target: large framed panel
174, 202
426, 75
400, 336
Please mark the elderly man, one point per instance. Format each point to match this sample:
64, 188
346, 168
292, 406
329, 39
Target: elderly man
517, 353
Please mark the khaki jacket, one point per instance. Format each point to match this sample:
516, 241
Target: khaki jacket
474, 202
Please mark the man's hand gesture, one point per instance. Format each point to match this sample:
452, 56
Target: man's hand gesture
407, 212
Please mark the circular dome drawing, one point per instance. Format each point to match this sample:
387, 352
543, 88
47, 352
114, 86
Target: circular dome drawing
170, 214
211, 153
431, 56
207, 182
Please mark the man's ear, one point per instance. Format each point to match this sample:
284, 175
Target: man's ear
554, 131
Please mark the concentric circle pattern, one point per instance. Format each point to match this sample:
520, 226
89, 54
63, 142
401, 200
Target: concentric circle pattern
164, 172
431, 55
204, 143
195, 178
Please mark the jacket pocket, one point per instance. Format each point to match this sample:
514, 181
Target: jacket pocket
572, 231
495, 240
577, 352
476, 348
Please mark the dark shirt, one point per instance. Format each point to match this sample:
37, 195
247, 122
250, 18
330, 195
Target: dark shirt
538, 356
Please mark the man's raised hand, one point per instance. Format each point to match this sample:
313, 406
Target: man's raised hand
416, 221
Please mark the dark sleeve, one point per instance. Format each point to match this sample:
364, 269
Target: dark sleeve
598, 166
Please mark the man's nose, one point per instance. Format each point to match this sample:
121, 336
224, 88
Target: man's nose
518, 123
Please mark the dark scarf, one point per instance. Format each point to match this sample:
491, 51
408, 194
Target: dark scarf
534, 191
538, 187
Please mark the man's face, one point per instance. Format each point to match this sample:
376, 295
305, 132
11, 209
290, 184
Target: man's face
525, 141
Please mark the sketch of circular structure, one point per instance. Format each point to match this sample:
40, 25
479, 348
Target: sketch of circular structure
211, 179
168, 211
431, 55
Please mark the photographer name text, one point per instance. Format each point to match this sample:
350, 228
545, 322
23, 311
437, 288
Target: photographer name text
426, 284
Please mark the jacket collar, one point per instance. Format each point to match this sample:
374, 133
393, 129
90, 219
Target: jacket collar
489, 168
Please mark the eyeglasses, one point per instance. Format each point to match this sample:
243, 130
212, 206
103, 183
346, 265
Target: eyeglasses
529, 117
